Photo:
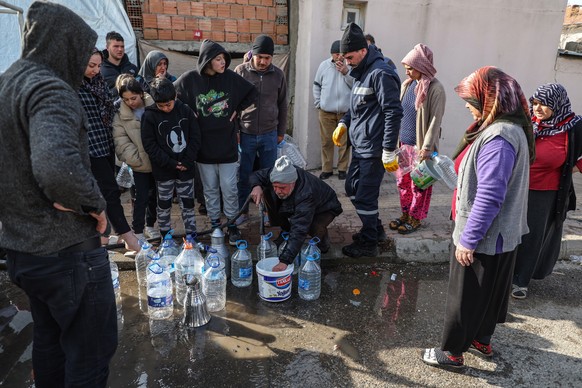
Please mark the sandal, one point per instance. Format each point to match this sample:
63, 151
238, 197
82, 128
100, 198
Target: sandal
519, 292
408, 227
396, 223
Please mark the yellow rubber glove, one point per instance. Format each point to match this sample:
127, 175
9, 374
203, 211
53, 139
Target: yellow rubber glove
389, 160
338, 135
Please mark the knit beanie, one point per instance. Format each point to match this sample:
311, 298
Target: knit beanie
263, 44
353, 39
283, 171
335, 47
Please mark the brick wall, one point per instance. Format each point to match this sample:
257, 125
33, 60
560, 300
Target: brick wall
230, 21
573, 15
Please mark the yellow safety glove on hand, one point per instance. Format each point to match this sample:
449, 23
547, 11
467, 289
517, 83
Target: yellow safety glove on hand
338, 134
389, 160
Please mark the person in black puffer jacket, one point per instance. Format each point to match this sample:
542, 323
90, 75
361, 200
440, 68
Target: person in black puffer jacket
298, 202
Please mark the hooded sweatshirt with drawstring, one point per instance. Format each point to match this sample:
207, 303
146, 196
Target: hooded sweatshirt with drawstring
44, 152
214, 98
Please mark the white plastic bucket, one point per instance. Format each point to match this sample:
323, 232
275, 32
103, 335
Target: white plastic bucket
274, 286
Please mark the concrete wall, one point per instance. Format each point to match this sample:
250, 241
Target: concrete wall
519, 36
568, 72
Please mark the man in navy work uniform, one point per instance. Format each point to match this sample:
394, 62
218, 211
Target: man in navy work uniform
374, 124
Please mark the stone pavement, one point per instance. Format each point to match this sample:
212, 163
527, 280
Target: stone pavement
428, 244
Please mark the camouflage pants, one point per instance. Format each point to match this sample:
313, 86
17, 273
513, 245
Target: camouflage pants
185, 192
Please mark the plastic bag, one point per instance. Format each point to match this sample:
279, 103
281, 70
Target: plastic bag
407, 159
289, 148
125, 176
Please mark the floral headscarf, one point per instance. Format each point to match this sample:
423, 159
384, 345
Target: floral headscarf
420, 59
555, 97
498, 97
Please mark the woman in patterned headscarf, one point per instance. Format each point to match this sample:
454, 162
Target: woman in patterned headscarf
489, 210
558, 137
423, 103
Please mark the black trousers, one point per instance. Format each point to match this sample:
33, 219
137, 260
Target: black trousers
540, 248
103, 170
146, 201
477, 299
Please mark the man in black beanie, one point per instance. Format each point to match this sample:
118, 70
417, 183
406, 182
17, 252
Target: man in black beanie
264, 123
374, 125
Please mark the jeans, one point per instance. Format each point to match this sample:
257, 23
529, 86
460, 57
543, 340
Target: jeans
217, 179
144, 207
265, 146
75, 317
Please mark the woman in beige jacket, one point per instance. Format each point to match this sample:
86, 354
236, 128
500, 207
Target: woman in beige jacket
423, 102
129, 149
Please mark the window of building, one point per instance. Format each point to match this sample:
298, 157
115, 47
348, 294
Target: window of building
353, 12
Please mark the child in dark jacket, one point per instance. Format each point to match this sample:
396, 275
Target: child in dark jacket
171, 138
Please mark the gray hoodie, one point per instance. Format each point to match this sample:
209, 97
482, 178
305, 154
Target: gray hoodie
44, 153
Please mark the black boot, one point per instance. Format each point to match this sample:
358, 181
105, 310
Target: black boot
361, 248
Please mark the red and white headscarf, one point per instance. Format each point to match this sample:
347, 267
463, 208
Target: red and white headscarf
420, 59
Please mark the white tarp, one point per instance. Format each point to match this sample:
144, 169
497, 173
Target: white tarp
103, 16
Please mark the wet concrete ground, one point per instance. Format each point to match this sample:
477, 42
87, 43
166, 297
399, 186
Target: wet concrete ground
341, 340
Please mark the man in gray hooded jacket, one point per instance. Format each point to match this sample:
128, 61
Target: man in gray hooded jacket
52, 211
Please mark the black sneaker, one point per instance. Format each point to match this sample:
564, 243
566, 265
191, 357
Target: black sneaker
381, 235
442, 359
215, 223
233, 235
325, 175
341, 175
361, 249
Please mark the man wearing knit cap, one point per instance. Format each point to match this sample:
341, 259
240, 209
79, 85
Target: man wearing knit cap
298, 202
373, 124
331, 93
264, 123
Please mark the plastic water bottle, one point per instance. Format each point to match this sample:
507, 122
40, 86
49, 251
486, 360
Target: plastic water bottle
168, 253
160, 301
289, 148
115, 280
214, 283
217, 242
191, 238
297, 261
241, 264
266, 247
188, 262
309, 249
117, 290
142, 260
310, 278
446, 169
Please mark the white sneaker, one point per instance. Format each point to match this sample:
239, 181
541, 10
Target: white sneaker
151, 232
